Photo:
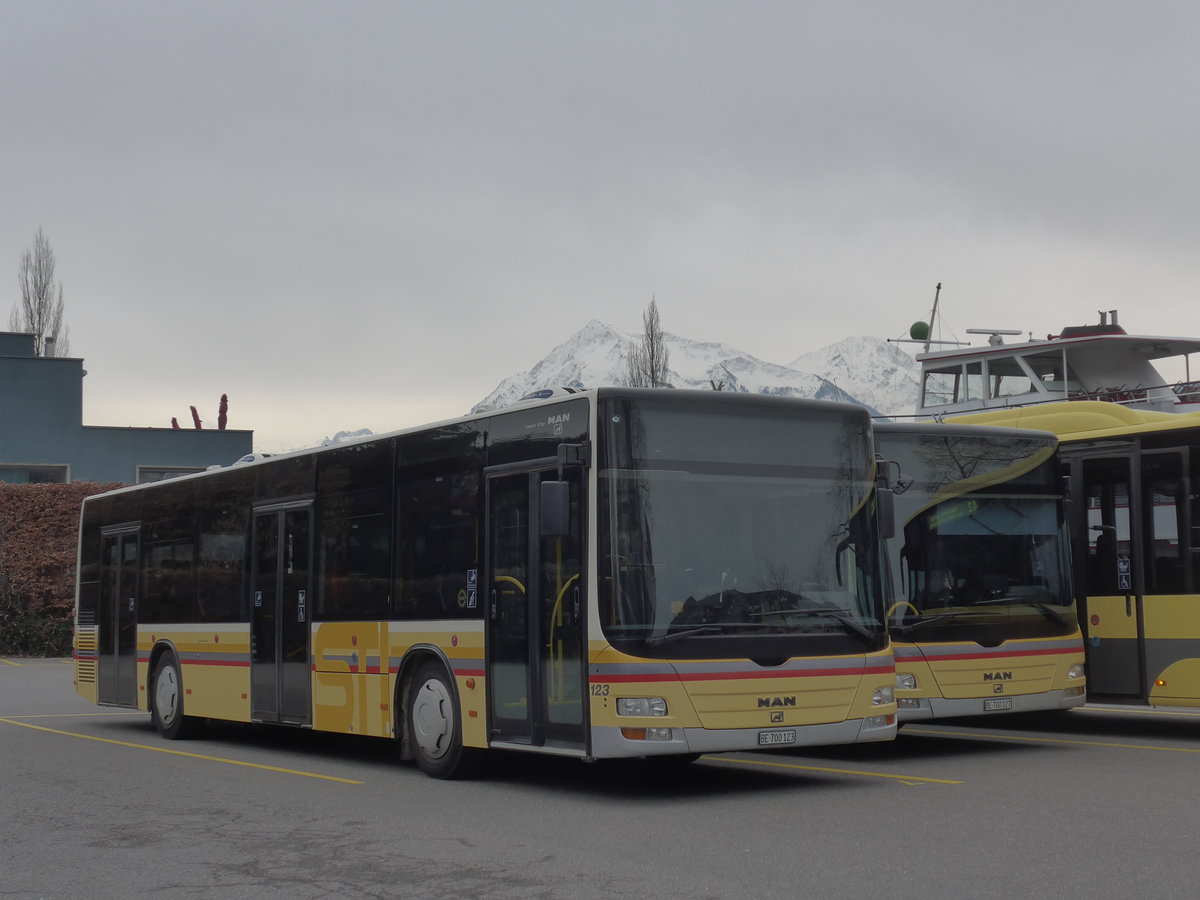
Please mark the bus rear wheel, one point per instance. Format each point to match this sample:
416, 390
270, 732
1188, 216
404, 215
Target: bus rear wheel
166, 700
434, 726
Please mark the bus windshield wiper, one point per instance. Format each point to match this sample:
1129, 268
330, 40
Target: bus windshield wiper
847, 621
923, 621
672, 636
1044, 608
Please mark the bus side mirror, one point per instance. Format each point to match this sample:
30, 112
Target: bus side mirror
887, 512
554, 509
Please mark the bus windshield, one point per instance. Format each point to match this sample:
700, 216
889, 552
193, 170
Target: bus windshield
984, 555
748, 534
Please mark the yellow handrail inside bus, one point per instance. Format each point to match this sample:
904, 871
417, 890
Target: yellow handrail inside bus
510, 580
556, 660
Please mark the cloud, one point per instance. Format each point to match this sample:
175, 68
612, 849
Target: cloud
392, 206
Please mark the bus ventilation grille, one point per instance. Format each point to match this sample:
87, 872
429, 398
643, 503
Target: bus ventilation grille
85, 654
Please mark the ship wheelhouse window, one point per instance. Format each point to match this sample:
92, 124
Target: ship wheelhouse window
955, 383
1007, 378
1052, 374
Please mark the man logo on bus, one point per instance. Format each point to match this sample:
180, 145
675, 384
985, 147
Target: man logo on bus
997, 676
765, 702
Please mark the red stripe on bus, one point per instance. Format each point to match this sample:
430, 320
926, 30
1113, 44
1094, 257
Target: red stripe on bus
189, 661
214, 662
1009, 655
731, 676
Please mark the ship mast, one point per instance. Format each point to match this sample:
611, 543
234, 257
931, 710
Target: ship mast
933, 316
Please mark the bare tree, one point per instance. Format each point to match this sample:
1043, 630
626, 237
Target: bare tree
646, 359
40, 309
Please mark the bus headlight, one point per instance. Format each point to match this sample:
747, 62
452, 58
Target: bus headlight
641, 706
1076, 670
881, 696
906, 682
648, 734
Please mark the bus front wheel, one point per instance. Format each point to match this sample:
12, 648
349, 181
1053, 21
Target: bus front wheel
166, 700
435, 727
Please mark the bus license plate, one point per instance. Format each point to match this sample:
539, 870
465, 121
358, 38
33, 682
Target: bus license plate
775, 738
993, 705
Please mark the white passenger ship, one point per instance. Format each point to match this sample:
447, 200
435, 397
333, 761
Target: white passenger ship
1087, 362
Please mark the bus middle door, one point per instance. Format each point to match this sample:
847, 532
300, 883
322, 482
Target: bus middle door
281, 608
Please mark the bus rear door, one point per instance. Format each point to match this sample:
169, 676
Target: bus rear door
119, 548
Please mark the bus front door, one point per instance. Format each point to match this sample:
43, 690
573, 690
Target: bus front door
1112, 616
118, 616
535, 615
281, 604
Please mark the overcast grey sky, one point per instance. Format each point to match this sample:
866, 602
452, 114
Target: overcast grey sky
360, 214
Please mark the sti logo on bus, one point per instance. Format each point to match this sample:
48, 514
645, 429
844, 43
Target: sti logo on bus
766, 702
997, 676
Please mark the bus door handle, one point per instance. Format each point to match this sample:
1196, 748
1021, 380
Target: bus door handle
1128, 605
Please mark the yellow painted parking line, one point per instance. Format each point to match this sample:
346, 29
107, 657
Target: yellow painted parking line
1140, 711
1113, 745
231, 762
907, 779
36, 661
86, 715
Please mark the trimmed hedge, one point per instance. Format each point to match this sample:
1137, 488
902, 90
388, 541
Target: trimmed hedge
39, 527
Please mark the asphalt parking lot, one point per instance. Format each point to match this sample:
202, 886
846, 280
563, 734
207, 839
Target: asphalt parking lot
1097, 802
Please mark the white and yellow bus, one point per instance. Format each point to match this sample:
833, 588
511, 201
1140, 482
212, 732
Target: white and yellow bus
615, 573
984, 618
1135, 511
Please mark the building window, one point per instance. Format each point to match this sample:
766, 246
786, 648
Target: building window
11, 474
146, 474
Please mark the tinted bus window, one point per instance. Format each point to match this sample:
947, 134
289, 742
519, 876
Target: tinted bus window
354, 487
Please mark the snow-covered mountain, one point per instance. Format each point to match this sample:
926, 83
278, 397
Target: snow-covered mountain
343, 436
883, 376
876, 373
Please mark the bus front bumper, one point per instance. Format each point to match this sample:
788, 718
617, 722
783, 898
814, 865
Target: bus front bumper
610, 743
915, 709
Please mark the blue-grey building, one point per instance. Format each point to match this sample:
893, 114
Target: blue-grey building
43, 438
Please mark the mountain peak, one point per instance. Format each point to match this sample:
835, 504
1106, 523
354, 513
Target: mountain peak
865, 370
879, 373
